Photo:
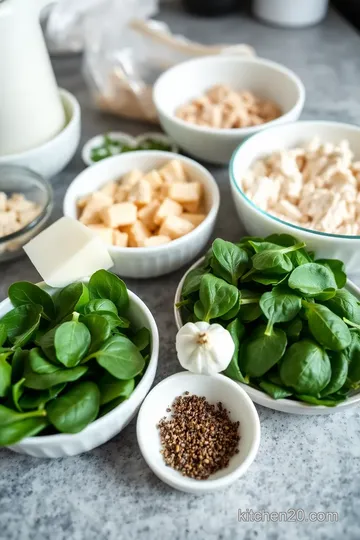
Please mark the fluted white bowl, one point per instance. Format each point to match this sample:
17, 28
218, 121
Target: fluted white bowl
103, 429
151, 261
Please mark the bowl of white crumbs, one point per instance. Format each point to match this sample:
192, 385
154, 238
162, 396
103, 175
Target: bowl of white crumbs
26, 202
303, 179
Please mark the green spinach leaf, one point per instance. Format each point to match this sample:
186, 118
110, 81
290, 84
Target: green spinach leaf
275, 391
5, 375
216, 296
94, 306
120, 357
111, 388
306, 368
104, 284
98, 327
326, 327
337, 268
312, 279
279, 305
237, 331
13, 433
260, 352
344, 304
192, 281
72, 341
74, 410
339, 371
229, 261
26, 293
21, 323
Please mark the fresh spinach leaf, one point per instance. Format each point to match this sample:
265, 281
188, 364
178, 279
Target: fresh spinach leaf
279, 305
18, 364
339, 371
313, 400
337, 268
72, 341
260, 352
111, 406
16, 393
192, 281
21, 323
142, 338
74, 410
3, 334
275, 391
114, 320
26, 293
41, 365
216, 297
32, 399
120, 357
13, 433
229, 261
67, 299
112, 388
98, 327
104, 284
344, 304
326, 327
306, 368
352, 353
294, 328
5, 375
94, 306
44, 381
311, 279
9, 416
237, 331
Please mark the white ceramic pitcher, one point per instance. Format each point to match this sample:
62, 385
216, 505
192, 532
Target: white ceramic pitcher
31, 111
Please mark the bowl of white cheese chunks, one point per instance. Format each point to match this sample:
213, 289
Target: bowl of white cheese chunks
303, 179
154, 210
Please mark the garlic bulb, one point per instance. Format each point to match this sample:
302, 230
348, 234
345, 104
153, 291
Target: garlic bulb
204, 348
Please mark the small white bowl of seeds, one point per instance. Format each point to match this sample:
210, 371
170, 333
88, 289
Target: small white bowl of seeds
198, 433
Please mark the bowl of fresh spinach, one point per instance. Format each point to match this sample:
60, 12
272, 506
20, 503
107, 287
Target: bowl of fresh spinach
75, 364
294, 319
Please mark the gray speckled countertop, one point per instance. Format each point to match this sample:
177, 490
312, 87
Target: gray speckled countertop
309, 463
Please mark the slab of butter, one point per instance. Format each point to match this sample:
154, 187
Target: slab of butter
67, 251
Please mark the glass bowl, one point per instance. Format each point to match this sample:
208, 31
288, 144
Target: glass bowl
16, 179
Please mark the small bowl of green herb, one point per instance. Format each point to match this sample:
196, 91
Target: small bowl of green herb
75, 364
116, 142
294, 319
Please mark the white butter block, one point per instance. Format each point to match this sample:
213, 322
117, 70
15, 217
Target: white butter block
67, 251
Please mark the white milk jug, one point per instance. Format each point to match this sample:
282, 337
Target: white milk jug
31, 111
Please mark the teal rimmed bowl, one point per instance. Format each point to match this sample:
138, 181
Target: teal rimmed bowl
257, 222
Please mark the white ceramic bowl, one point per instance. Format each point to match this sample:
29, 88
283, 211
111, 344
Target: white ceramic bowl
103, 429
294, 14
190, 79
152, 261
215, 388
51, 157
284, 405
259, 223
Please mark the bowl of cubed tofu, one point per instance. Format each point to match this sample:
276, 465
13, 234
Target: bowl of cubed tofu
303, 179
26, 202
154, 210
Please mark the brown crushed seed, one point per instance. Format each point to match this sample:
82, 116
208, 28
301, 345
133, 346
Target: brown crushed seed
199, 438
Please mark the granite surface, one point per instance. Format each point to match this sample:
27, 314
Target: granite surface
304, 463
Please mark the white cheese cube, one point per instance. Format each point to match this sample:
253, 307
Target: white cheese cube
167, 208
147, 215
141, 193
105, 233
67, 251
119, 215
120, 239
185, 192
173, 171
195, 219
137, 234
175, 227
